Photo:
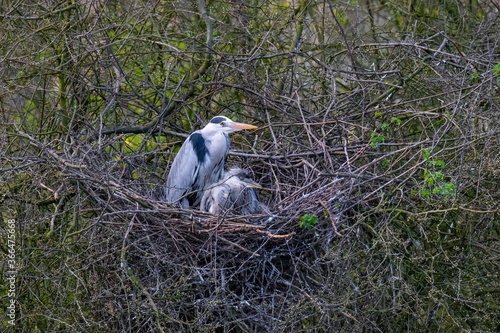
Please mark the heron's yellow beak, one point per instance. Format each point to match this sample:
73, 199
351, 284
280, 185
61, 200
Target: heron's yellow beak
240, 126
253, 185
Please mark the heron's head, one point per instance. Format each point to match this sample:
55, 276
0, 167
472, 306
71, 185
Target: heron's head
224, 124
241, 176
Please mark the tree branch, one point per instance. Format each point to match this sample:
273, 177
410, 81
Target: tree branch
191, 90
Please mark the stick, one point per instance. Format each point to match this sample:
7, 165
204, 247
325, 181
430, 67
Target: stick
274, 236
332, 218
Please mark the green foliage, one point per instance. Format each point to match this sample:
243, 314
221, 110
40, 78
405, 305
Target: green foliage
438, 163
376, 139
385, 163
425, 193
396, 121
385, 127
496, 70
133, 142
475, 77
435, 180
427, 153
341, 17
308, 221
444, 189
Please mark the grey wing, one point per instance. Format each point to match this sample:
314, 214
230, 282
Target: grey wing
215, 200
206, 201
182, 174
213, 169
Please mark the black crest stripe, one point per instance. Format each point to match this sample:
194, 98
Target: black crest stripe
217, 120
199, 146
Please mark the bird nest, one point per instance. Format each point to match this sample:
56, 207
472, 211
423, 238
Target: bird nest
193, 270
177, 269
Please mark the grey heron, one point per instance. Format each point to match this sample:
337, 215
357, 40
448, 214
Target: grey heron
200, 161
236, 191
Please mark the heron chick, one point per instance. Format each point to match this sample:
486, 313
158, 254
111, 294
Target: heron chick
236, 191
200, 161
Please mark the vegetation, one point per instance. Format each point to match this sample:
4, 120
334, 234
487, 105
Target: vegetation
377, 146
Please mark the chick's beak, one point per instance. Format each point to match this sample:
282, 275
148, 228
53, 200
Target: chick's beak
255, 185
240, 126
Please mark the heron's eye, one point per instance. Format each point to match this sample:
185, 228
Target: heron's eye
241, 178
222, 123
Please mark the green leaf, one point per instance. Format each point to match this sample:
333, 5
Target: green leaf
496, 69
385, 163
307, 221
376, 139
439, 176
475, 77
450, 188
134, 141
439, 163
425, 193
427, 152
396, 121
